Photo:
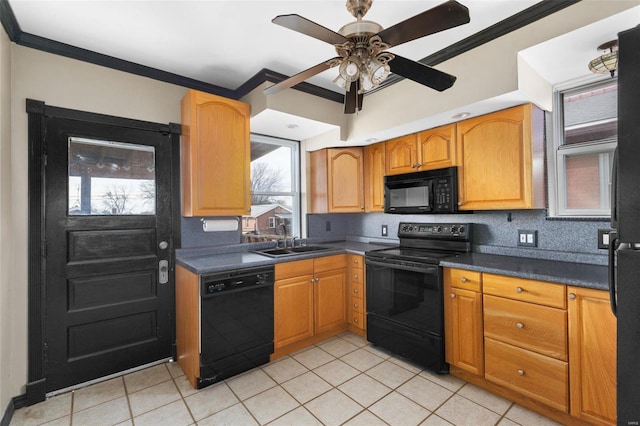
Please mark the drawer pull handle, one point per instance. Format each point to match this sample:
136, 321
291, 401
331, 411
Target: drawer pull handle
521, 372
355, 320
355, 290
572, 295
452, 295
520, 325
355, 305
355, 276
518, 289
464, 279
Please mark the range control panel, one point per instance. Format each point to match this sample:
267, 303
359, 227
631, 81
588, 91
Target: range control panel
460, 231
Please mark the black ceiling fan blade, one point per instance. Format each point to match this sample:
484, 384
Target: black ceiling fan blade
302, 76
421, 73
440, 18
353, 99
303, 25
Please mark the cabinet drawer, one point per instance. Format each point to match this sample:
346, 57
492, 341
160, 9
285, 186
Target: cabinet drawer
526, 325
329, 263
460, 278
293, 269
532, 291
357, 319
356, 261
356, 304
357, 276
356, 289
536, 376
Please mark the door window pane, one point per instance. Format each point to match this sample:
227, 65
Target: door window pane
111, 178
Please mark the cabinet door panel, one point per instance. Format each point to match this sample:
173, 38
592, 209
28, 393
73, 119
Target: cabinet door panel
592, 351
293, 310
463, 329
401, 155
374, 169
215, 156
345, 174
437, 147
330, 290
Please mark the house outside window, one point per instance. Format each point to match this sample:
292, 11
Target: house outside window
275, 187
585, 123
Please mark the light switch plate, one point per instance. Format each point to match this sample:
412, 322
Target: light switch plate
384, 231
603, 238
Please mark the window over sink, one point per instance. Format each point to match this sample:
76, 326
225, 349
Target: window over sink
585, 133
275, 189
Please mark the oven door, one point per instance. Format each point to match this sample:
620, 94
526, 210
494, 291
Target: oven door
406, 293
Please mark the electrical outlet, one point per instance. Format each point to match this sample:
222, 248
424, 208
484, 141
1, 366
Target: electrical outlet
327, 225
527, 238
603, 238
384, 231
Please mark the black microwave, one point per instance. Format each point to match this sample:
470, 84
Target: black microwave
430, 191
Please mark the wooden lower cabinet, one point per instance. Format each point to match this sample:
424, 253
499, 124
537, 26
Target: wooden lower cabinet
546, 346
464, 345
310, 301
356, 295
592, 351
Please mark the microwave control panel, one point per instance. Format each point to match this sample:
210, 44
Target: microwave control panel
442, 195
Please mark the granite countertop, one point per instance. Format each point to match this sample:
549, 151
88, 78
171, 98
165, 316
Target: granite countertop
217, 259
205, 261
578, 274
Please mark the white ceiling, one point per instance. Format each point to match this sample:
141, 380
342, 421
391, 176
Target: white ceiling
226, 42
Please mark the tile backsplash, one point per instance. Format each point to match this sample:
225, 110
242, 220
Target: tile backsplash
494, 232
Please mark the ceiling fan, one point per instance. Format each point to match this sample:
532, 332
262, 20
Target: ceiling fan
361, 45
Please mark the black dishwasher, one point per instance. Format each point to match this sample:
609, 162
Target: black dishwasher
236, 314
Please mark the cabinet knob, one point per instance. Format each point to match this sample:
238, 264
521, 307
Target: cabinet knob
572, 295
355, 290
355, 261
459, 203
464, 279
355, 320
355, 305
355, 276
452, 295
520, 325
521, 372
518, 289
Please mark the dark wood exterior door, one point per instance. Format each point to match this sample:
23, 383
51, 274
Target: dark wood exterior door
109, 219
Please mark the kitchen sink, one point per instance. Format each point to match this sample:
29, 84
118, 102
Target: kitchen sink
278, 252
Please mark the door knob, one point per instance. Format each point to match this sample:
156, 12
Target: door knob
163, 245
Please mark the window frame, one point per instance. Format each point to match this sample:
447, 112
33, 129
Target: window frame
557, 153
296, 215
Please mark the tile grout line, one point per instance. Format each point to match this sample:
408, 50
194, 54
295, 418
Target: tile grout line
182, 397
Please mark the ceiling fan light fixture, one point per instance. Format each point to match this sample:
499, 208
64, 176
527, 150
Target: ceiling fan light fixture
608, 62
350, 69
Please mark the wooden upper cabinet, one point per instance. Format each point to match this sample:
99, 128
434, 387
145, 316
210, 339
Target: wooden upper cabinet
401, 155
216, 156
336, 183
592, 355
436, 148
500, 160
374, 164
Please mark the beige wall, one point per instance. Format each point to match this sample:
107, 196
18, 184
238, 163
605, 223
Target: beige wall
8, 311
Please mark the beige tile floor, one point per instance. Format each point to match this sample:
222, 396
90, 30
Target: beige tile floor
343, 380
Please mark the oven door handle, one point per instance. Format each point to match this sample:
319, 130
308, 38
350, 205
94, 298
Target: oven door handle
418, 268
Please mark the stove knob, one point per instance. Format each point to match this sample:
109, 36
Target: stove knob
438, 229
454, 229
461, 229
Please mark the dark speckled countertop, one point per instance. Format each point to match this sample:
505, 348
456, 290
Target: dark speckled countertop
206, 261
578, 274
210, 260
